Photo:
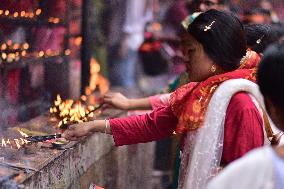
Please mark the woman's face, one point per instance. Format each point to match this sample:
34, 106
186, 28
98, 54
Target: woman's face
198, 64
206, 5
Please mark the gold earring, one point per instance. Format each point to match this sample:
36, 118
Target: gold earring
213, 68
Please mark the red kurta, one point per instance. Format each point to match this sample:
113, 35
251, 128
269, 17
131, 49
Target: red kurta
159, 100
243, 127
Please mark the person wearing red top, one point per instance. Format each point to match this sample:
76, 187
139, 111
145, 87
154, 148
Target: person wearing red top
214, 114
262, 167
161, 123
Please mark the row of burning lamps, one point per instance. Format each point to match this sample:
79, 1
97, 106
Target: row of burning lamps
21, 14
12, 52
27, 14
16, 142
69, 111
25, 139
72, 112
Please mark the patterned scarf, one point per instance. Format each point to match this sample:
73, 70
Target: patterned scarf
189, 102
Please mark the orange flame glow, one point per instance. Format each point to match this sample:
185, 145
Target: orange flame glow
23, 134
12, 143
96, 79
71, 112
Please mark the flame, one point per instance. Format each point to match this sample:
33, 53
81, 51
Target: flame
78, 41
70, 112
97, 79
16, 14
11, 143
3, 46
26, 46
23, 134
17, 143
3, 143
84, 98
58, 100
38, 12
7, 12
67, 52
9, 42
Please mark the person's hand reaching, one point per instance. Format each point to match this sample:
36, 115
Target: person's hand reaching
116, 100
74, 132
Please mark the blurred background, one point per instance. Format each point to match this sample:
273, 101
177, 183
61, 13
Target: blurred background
81, 48
47, 46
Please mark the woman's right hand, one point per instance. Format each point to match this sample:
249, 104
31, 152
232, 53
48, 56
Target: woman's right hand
117, 100
75, 132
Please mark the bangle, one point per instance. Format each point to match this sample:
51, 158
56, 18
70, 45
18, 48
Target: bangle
106, 125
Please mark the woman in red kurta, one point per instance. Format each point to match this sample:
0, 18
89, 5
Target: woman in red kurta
243, 127
213, 47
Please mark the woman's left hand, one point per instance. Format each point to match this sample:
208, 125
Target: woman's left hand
117, 100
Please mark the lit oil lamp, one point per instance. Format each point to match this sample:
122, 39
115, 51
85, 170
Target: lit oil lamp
7, 12
23, 13
70, 112
16, 14
38, 12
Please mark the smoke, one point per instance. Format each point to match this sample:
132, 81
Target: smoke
27, 164
7, 182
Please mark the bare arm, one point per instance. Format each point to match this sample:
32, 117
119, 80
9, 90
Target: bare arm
74, 132
139, 104
156, 125
119, 101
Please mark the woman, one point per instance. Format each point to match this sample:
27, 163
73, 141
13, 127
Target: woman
117, 100
264, 167
260, 36
204, 109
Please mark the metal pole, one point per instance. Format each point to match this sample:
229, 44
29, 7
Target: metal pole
86, 43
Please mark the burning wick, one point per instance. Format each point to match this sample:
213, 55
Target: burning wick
16, 142
5, 143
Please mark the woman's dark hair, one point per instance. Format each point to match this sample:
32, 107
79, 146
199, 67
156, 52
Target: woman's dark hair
270, 76
260, 36
224, 42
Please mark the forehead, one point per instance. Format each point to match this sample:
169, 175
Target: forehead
212, 1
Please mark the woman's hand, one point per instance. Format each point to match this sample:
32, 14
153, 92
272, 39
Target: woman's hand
74, 132
117, 100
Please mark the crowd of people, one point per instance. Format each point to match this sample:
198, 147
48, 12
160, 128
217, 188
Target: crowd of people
228, 112
126, 21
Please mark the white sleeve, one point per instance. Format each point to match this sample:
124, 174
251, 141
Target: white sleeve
252, 171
